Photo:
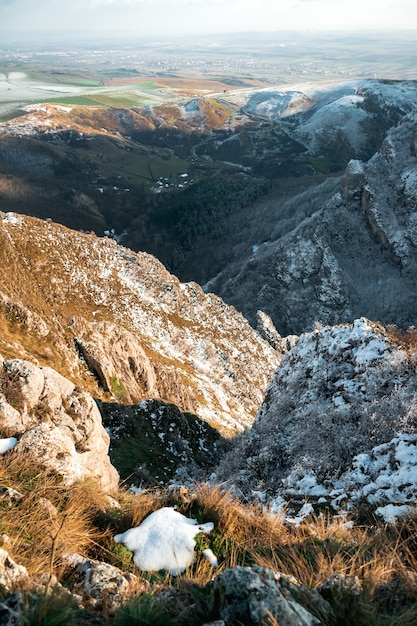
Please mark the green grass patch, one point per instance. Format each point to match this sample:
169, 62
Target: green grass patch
150, 441
117, 388
324, 163
77, 100
140, 168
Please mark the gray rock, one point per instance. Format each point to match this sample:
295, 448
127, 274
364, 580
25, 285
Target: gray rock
252, 595
58, 424
267, 330
11, 611
338, 584
353, 180
99, 583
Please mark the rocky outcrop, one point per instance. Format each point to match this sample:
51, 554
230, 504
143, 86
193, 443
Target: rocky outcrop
126, 371
55, 422
267, 330
353, 180
330, 420
100, 585
255, 595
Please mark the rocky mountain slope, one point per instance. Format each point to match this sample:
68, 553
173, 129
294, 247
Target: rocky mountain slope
121, 326
343, 249
338, 423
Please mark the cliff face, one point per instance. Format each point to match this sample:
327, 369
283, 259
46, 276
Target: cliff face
120, 325
339, 253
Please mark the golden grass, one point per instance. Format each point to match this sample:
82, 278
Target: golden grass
49, 520
405, 339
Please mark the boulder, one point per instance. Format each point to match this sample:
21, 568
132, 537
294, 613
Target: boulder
256, 595
57, 423
99, 584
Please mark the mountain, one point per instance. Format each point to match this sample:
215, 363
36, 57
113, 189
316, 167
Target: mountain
339, 250
108, 358
338, 423
120, 326
254, 193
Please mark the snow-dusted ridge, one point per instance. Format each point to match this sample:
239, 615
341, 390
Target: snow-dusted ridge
345, 251
338, 423
141, 332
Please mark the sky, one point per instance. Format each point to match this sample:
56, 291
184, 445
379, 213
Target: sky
168, 18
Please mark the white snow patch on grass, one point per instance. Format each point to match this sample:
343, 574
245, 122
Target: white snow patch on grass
391, 512
165, 541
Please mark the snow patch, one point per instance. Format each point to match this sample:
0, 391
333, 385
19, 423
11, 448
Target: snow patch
7, 444
12, 218
165, 541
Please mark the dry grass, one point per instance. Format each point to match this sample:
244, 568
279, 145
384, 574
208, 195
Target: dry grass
405, 339
10, 388
48, 520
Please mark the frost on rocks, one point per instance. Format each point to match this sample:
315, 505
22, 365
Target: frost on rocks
338, 424
257, 595
165, 540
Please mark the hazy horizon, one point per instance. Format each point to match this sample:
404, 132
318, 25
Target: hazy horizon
98, 19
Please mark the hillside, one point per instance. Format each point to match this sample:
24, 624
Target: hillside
337, 427
222, 188
337, 251
161, 462
78, 548
122, 327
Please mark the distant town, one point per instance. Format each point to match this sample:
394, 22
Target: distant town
266, 58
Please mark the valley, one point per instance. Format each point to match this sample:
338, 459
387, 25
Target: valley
208, 307
217, 184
